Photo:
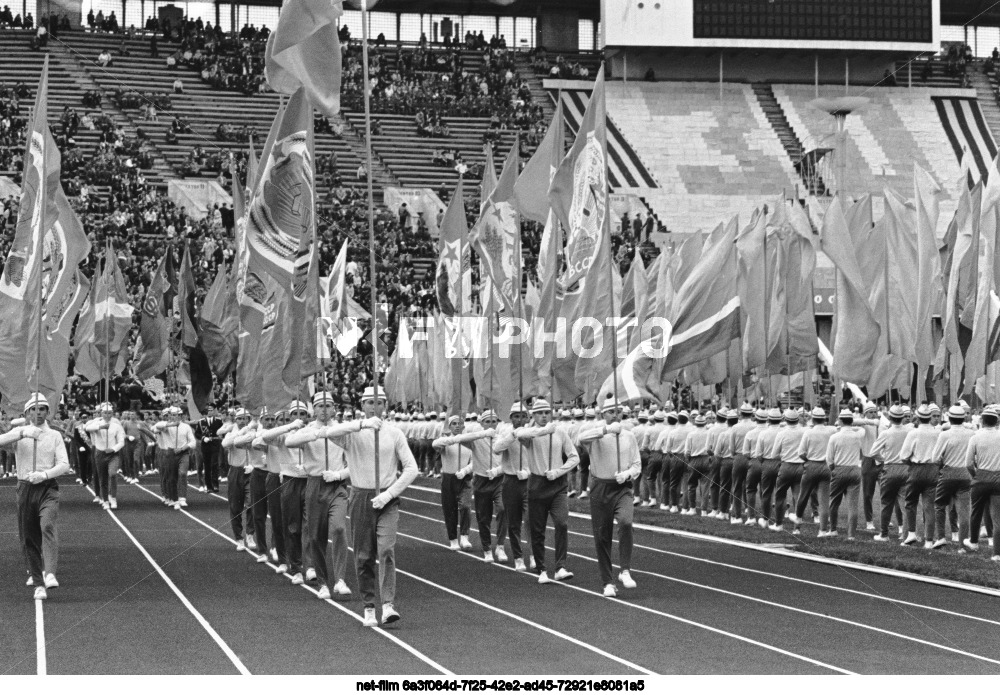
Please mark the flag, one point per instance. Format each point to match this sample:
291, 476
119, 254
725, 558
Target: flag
186, 302
579, 198
635, 301
99, 344
219, 326
531, 189
977, 356
752, 287
86, 362
304, 53
496, 237
453, 277
55, 351
489, 181
252, 289
793, 308
281, 226
20, 285
926, 191
156, 321
901, 278
64, 247
857, 331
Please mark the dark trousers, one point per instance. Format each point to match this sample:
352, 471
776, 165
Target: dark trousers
130, 459
211, 453
37, 512
327, 522
584, 468
170, 473
678, 466
953, 485
107, 464
653, 481
789, 476
741, 465
273, 491
515, 504
258, 507
293, 502
183, 462
85, 461
869, 476
548, 498
637, 486
609, 502
722, 490
373, 532
768, 482
985, 495
921, 484
236, 492
845, 481
892, 489
754, 471
815, 479
699, 467
456, 505
488, 495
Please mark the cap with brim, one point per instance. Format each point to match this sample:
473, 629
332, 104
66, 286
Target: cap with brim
760, 415
165, 411
924, 413
421, 417
242, 412
956, 412
36, 399
432, 415
540, 405
746, 409
299, 405
609, 405
846, 414
935, 408
590, 412
643, 415
517, 407
105, 408
322, 398
774, 415
817, 413
627, 410
699, 420
672, 417
906, 410
369, 394
487, 415
453, 419
577, 413
791, 415
896, 411
659, 416
175, 410
871, 408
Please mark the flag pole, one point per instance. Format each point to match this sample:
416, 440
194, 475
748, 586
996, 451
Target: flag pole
38, 255
107, 325
371, 225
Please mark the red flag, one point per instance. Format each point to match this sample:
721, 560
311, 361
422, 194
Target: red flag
20, 285
304, 53
453, 278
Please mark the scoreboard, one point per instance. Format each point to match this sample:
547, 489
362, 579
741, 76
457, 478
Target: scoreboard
894, 25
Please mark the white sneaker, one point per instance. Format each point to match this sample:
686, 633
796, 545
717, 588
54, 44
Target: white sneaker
995, 558
389, 614
928, 545
501, 556
369, 620
649, 503
177, 506
625, 577
97, 500
673, 509
832, 534
531, 562
911, 538
453, 545
610, 591
881, 539
281, 569
939, 543
796, 531
488, 556
240, 546
750, 522
954, 537
762, 523
664, 508
543, 578
341, 588
41, 594
30, 582
775, 527
274, 555
105, 505
297, 578
465, 543
324, 593
571, 494
584, 495
870, 526
310, 574
969, 545
251, 543
563, 575
518, 565
635, 500
182, 502
735, 521
50, 581
791, 517
114, 503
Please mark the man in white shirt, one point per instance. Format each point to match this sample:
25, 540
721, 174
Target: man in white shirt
843, 456
40, 458
921, 482
176, 440
515, 481
815, 471
107, 436
954, 480
982, 458
238, 442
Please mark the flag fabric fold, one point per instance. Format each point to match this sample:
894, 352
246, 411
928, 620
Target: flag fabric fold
156, 321
303, 52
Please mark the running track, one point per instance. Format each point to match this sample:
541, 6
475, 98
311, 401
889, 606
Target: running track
149, 590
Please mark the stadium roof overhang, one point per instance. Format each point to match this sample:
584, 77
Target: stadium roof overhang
983, 13
587, 9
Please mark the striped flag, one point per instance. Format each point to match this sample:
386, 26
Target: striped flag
156, 321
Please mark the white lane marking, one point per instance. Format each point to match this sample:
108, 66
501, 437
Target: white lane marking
808, 557
194, 611
42, 668
636, 606
420, 655
774, 575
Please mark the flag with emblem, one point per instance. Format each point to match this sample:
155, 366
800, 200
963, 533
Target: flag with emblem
281, 227
59, 325
20, 304
218, 336
453, 278
496, 237
156, 321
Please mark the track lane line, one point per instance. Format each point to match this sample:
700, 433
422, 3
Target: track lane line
227, 650
646, 609
41, 659
400, 643
774, 575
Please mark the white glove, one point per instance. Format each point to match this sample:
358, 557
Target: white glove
491, 474
460, 474
614, 428
204, 439
622, 477
131, 438
553, 474
489, 433
296, 424
36, 477
523, 474
248, 469
331, 476
381, 500
30, 432
371, 423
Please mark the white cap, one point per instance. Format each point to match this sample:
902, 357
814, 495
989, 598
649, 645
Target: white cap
36, 399
369, 394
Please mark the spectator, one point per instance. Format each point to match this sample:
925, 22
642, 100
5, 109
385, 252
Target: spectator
104, 58
178, 86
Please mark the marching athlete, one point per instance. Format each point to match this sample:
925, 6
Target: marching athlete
455, 451
108, 439
515, 481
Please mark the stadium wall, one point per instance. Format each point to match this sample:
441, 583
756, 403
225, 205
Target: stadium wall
71, 8
559, 30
